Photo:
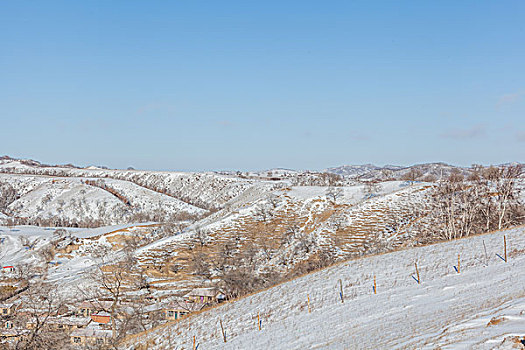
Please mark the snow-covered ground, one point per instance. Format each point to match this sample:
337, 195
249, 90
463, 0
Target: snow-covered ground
447, 310
23, 245
204, 190
71, 199
349, 194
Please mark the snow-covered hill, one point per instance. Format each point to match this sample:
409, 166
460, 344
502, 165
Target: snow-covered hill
290, 228
55, 195
74, 249
187, 230
54, 201
370, 171
482, 307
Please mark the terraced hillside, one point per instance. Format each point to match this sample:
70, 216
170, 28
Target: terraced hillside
286, 228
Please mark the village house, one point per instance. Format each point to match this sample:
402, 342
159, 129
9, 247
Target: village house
205, 296
8, 268
87, 308
12, 334
62, 323
101, 317
8, 309
176, 310
67, 323
85, 337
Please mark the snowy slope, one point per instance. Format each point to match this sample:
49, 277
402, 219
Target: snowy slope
70, 199
22, 245
447, 310
370, 171
204, 190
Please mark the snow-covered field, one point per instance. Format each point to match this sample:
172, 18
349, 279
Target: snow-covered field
22, 245
447, 310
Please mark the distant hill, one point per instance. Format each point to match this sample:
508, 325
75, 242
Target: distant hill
370, 171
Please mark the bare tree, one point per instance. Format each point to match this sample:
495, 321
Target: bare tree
412, 175
41, 302
8, 195
264, 212
113, 279
506, 190
201, 237
291, 232
371, 188
200, 266
387, 174
274, 201
488, 200
333, 194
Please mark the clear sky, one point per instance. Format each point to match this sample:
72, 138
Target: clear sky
211, 85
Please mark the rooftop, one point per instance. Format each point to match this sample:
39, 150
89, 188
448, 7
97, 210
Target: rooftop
96, 333
95, 304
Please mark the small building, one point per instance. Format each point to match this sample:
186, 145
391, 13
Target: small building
87, 308
205, 296
8, 309
176, 310
68, 323
8, 268
84, 337
12, 334
101, 317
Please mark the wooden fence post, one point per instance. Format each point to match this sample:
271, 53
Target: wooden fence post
222, 329
308, 298
459, 266
417, 273
505, 247
341, 293
258, 320
193, 342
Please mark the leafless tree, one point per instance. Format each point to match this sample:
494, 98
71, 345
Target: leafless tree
199, 264
488, 200
291, 232
412, 175
112, 279
8, 195
505, 181
41, 302
201, 237
264, 212
371, 188
333, 194
387, 174
274, 201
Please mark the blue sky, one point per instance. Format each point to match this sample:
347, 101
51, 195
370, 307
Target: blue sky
196, 85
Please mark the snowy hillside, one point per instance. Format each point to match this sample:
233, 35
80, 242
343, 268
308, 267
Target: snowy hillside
299, 224
370, 171
55, 201
288, 228
482, 307
74, 248
205, 190
57, 196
